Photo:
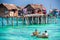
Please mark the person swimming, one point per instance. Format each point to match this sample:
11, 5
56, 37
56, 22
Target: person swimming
36, 33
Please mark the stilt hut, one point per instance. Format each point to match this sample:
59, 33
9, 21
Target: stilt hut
8, 10
35, 9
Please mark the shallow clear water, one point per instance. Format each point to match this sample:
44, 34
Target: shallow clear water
23, 32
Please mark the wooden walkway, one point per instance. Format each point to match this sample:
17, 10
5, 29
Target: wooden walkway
42, 16
25, 18
38, 18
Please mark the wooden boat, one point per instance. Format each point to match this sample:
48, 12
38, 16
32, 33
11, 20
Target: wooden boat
42, 36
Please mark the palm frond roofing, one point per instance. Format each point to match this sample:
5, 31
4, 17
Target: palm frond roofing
10, 6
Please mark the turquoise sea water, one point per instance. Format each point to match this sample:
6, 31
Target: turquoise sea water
23, 32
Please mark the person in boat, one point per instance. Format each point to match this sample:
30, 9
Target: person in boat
45, 34
36, 33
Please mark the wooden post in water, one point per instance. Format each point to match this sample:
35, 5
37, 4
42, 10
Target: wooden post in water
12, 21
23, 19
32, 20
38, 19
46, 19
17, 20
27, 20
41, 19
7, 21
2, 21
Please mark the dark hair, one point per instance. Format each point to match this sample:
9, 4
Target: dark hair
35, 29
45, 31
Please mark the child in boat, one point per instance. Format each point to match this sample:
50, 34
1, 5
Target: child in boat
45, 34
36, 33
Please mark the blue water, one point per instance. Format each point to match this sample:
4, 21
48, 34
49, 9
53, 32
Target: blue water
23, 32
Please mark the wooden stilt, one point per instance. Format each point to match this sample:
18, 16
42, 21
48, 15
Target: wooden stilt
2, 21
12, 21
7, 21
17, 20
27, 20
38, 19
46, 19
32, 20
23, 19
41, 19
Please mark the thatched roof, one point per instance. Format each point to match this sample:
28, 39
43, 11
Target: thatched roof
10, 6
35, 6
20, 7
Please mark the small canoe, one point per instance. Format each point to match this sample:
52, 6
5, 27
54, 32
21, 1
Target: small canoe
42, 36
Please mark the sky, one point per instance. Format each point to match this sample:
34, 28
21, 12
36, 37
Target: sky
49, 4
